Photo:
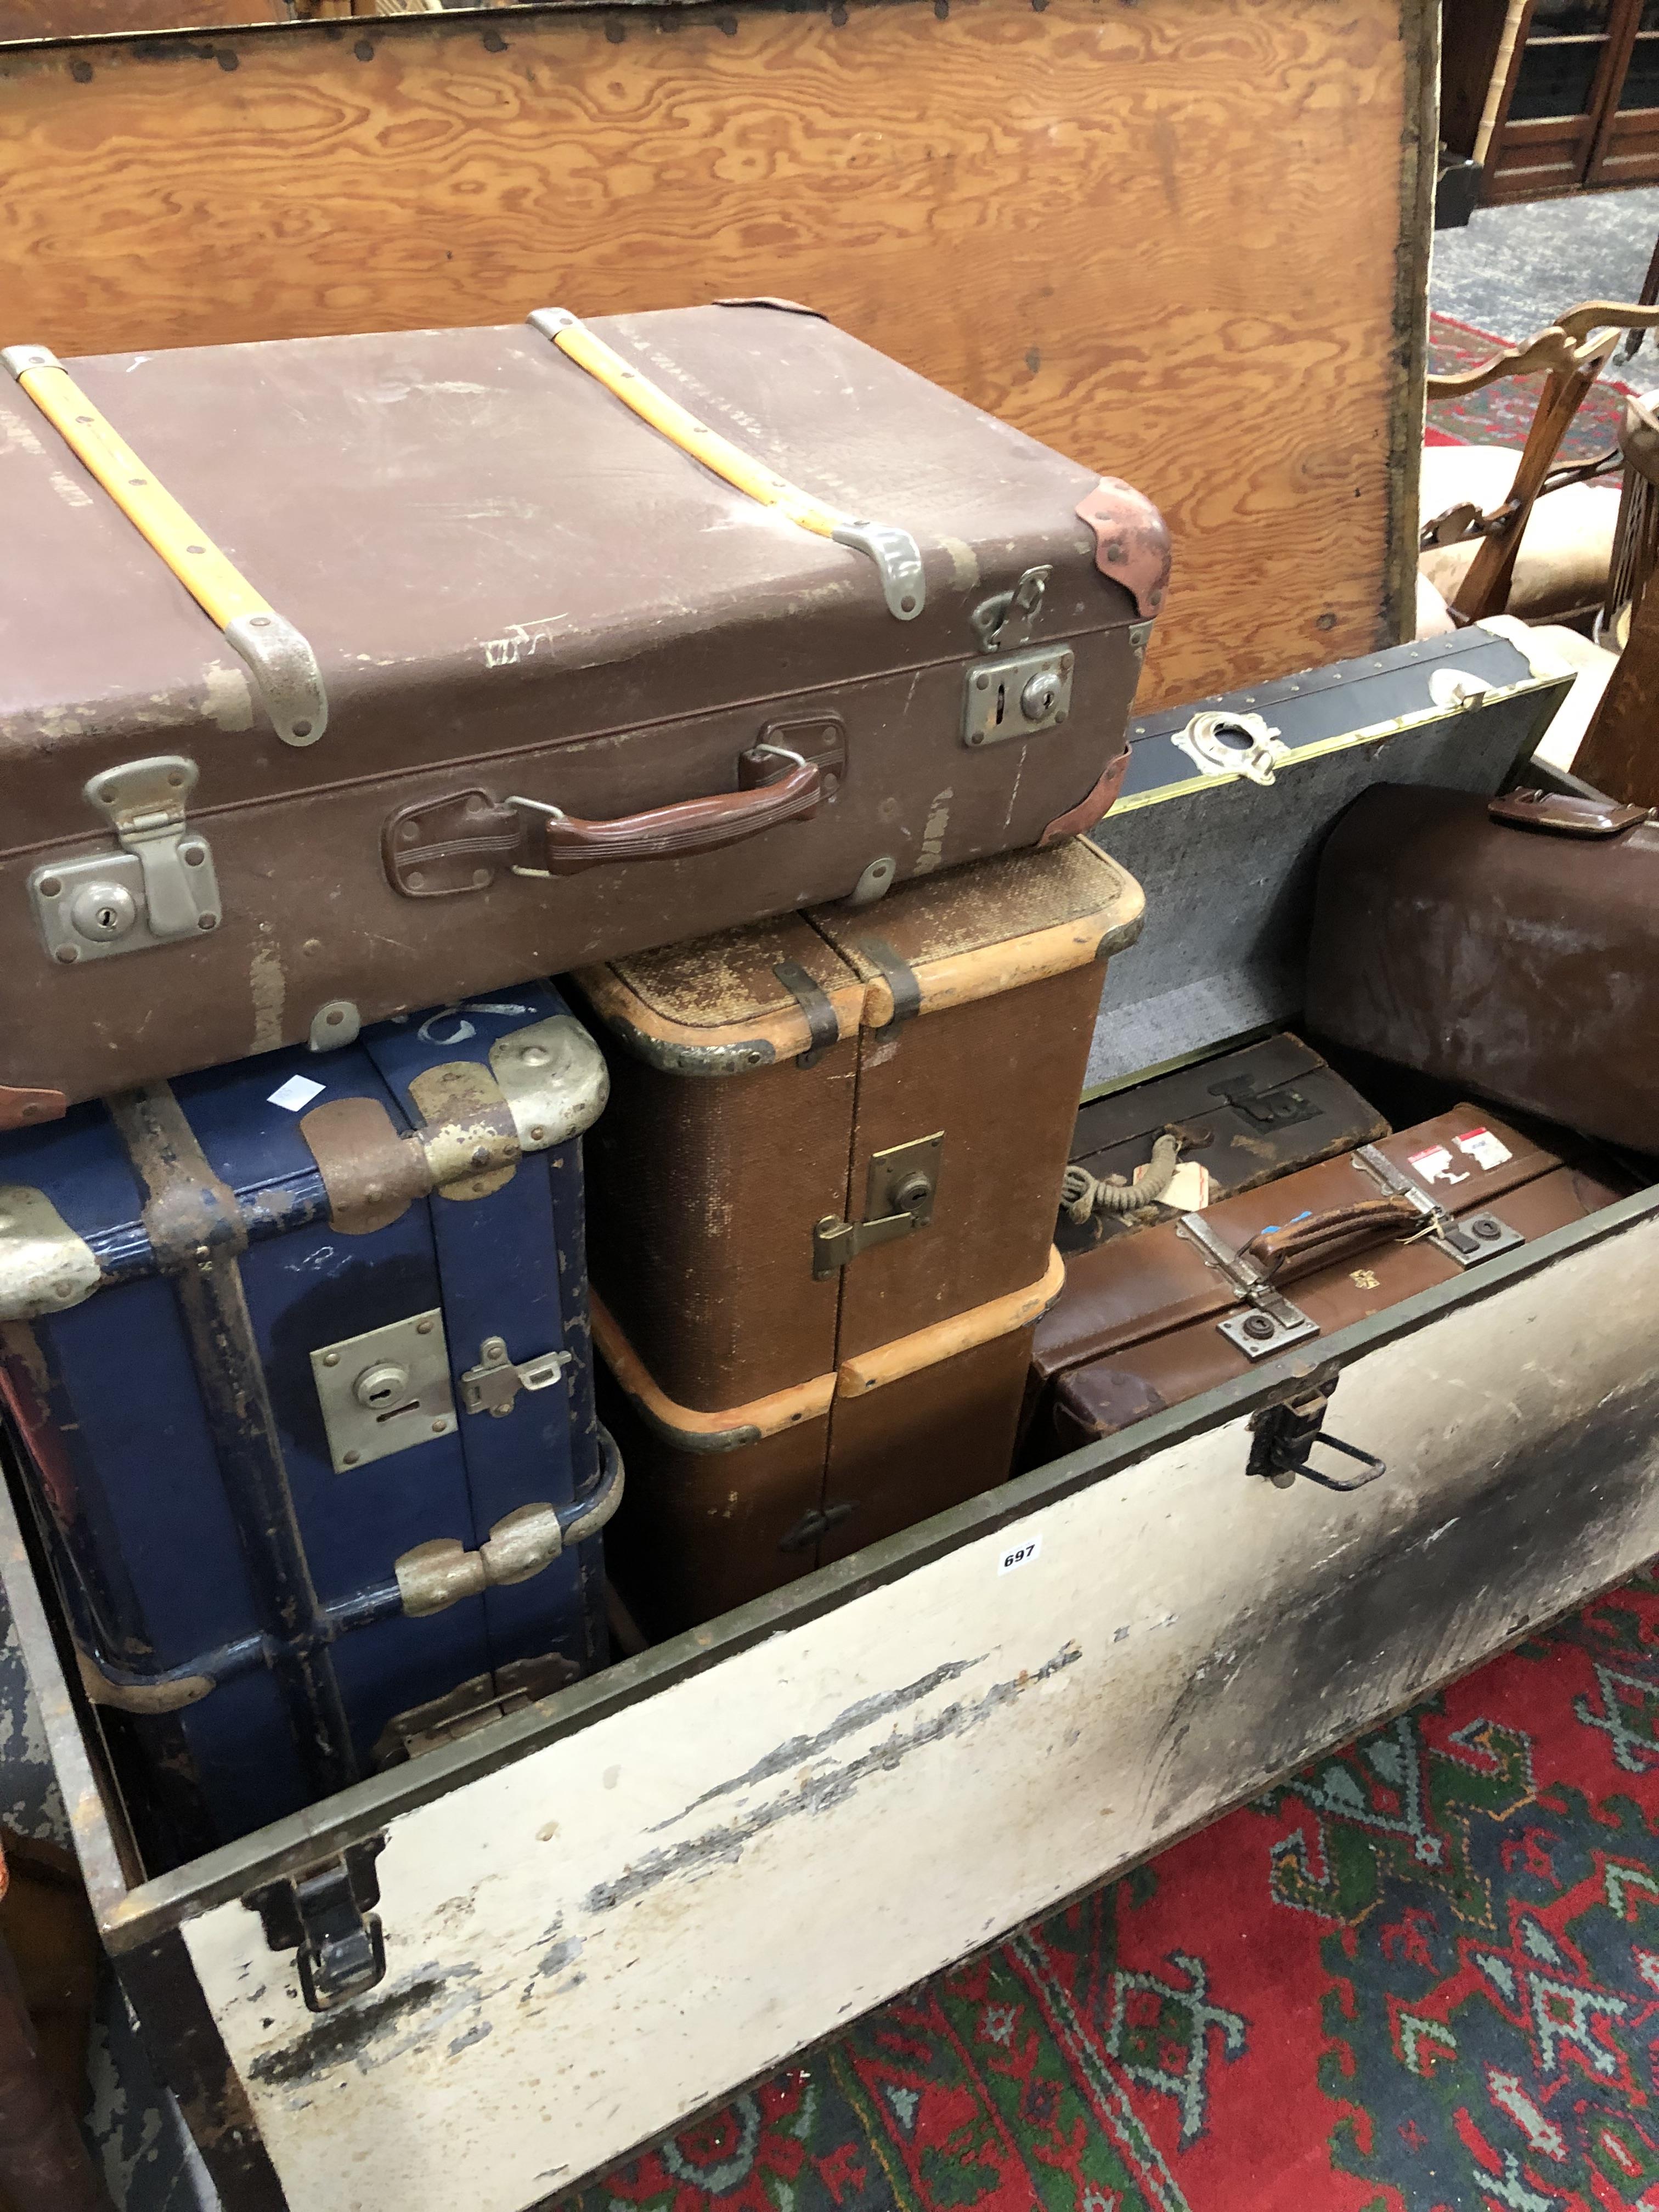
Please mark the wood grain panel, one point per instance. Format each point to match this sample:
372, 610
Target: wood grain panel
1165, 237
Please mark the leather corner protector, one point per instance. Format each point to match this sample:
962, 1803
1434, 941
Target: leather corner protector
1132, 541
1094, 808
25, 1110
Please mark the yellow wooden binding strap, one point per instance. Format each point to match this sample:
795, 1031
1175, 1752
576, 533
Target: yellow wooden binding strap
283, 664
894, 552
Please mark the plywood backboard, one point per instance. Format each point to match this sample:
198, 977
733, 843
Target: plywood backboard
1183, 241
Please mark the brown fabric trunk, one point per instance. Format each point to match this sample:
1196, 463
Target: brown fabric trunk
1509, 945
515, 588
1136, 1329
720, 1153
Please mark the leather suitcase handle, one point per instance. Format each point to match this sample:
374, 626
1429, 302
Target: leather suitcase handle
1563, 815
690, 825
1303, 1244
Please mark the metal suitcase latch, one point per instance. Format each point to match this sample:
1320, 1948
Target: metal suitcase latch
1006, 618
1284, 1436
1272, 1322
1477, 1236
898, 1200
493, 1385
325, 1918
1017, 695
160, 886
1233, 745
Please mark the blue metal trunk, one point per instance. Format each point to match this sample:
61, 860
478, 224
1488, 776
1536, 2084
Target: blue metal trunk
262, 1344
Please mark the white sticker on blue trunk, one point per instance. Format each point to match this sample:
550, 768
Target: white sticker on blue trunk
298, 1091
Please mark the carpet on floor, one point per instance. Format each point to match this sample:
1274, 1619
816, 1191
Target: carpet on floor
1423, 1977
1501, 414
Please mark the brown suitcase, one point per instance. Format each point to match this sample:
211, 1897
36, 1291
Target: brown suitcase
722, 1507
1511, 945
1147, 1322
499, 649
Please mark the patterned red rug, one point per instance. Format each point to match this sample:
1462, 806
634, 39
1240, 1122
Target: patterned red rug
1501, 414
1422, 1977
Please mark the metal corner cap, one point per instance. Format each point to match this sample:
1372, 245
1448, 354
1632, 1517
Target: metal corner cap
19, 360
285, 669
554, 1078
898, 561
549, 321
46, 1266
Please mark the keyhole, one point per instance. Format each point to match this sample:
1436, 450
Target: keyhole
1002, 704
107, 917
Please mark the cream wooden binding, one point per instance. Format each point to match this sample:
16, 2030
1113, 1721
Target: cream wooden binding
945, 1340
732, 1426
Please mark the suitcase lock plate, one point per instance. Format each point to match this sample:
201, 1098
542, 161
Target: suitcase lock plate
384, 1391
1271, 1322
898, 1200
1017, 694
160, 886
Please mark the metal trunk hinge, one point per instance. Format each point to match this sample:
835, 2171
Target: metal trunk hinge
326, 1918
160, 886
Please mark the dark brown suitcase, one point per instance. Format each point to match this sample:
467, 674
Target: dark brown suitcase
1509, 946
494, 649
1147, 1322
831, 1131
1237, 1119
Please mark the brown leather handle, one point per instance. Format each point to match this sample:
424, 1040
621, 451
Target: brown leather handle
691, 826
1300, 1245
1564, 815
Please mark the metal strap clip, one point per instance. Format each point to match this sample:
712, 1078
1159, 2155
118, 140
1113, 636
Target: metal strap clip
1273, 1321
894, 552
1477, 1236
281, 661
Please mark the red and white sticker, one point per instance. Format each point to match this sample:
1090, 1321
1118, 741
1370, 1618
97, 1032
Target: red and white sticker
1434, 1164
1484, 1149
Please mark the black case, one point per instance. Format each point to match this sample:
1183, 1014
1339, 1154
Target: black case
1246, 1116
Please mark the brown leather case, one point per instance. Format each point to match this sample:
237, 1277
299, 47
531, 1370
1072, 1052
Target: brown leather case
582, 694
1511, 945
764, 1082
721, 1509
1137, 1328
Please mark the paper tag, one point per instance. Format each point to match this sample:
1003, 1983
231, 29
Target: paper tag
1190, 1189
1435, 1165
298, 1091
1484, 1149
1019, 1555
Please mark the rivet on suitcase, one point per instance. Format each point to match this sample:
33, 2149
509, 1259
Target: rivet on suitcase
427, 660
823, 1200
298, 1350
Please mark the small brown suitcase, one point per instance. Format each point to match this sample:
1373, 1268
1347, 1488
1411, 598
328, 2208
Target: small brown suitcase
500, 648
1242, 1117
1509, 945
830, 1132
1149, 1321
722, 1507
